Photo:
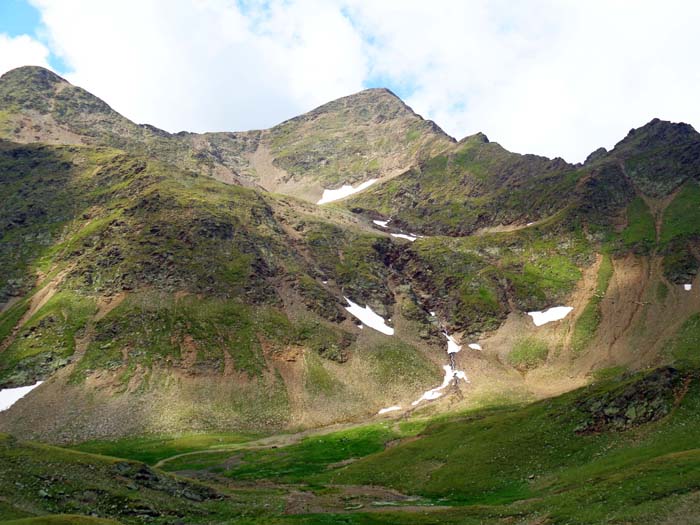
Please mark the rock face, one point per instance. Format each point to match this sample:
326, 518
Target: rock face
634, 403
597, 154
660, 156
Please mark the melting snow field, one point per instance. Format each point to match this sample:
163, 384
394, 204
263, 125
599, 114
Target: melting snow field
344, 191
10, 396
451, 374
389, 409
475, 346
434, 393
404, 236
368, 317
556, 313
687, 287
381, 223
452, 346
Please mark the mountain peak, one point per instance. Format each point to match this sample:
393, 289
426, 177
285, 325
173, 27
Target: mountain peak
478, 137
596, 155
30, 88
378, 104
368, 101
658, 127
382, 90
657, 132
36, 75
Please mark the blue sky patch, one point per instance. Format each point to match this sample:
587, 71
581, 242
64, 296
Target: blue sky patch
19, 17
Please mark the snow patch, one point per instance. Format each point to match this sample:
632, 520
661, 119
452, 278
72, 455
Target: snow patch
556, 313
10, 396
452, 346
436, 392
404, 236
687, 287
383, 224
368, 317
344, 191
475, 346
389, 409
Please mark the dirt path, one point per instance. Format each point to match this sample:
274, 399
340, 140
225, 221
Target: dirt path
505, 228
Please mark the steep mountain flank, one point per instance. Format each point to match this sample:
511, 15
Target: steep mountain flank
155, 285
473, 185
140, 282
660, 156
370, 135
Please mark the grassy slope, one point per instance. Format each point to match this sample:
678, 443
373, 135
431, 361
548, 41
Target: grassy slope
680, 232
535, 452
684, 345
528, 353
474, 184
62, 519
151, 449
470, 280
122, 223
37, 479
682, 217
640, 233
520, 462
295, 463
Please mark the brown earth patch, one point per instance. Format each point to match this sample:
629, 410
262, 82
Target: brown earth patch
37, 301
106, 304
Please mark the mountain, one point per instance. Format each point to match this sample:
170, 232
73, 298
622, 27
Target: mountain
177, 293
372, 134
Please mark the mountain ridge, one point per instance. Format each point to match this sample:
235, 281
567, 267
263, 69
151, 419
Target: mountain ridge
227, 156
134, 277
45, 75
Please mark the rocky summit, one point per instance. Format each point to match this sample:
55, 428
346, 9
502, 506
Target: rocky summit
350, 317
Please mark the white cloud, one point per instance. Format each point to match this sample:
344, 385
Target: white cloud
21, 50
206, 65
555, 77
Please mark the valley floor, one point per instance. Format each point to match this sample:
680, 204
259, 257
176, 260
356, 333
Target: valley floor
623, 450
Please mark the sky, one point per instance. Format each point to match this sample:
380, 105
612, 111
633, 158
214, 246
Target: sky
551, 77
